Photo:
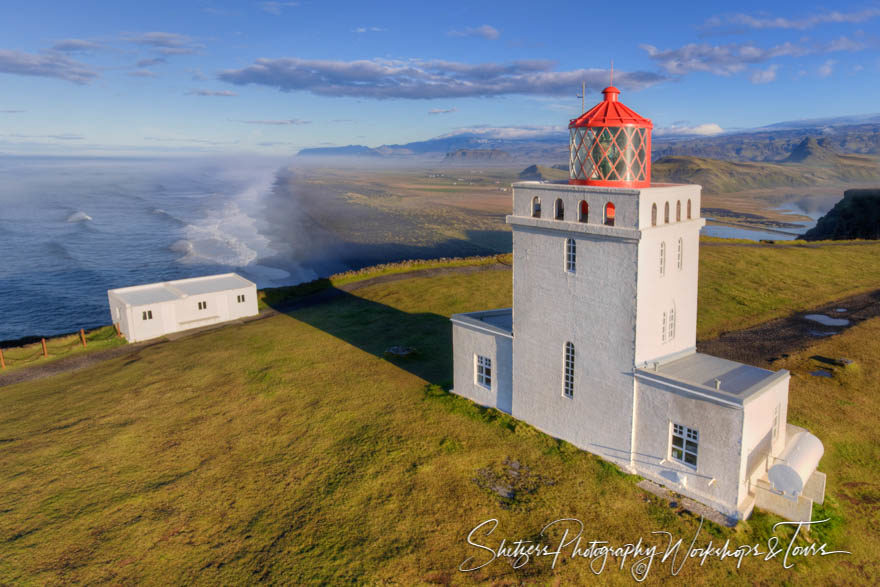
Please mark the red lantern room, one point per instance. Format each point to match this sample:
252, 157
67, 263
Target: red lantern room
610, 145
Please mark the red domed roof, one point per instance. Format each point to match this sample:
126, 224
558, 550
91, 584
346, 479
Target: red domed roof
610, 112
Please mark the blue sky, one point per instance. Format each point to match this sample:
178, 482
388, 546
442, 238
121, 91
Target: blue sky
125, 77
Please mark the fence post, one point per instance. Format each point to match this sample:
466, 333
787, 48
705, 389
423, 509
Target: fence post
82, 336
45, 352
2, 362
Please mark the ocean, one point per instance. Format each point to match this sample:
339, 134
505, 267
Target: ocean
72, 228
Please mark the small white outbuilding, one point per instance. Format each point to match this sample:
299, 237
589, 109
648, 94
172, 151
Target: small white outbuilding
156, 309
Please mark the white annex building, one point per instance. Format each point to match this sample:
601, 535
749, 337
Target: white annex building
155, 309
599, 348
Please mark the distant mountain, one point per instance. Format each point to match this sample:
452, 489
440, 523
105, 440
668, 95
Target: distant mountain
347, 151
857, 215
859, 135
811, 161
543, 173
477, 155
812, 152
772, 144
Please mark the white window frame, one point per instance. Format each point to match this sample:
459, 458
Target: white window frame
203, 305
662, 258
689, 444
670, 335
663, 328
483, 371
776, 412
570, 255
568, 356
679, 256
148, 315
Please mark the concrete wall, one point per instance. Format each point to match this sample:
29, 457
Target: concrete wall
595, 309
758, 442
466, 344
626, 214
674, 288
719, 449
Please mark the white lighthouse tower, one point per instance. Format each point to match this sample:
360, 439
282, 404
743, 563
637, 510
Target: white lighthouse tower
599, 348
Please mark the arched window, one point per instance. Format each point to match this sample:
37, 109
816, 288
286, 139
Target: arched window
653, 214
680, 252
689, 210
671, 328
678, 211
536, 207
663, 258
584, 213
666, 213
609, 214
570, 255
568, 370
560, 209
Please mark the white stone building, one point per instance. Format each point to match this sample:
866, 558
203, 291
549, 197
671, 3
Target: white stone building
599, 348
156, 309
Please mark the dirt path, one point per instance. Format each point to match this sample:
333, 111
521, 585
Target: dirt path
765, 343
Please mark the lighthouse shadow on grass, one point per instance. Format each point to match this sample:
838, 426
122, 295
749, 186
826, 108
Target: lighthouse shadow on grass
420, 343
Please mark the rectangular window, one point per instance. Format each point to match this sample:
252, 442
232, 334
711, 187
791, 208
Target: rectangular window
148, 315
240, 298
663, 328
671, 334
684, 445
678, 256
570, 255
203, 305
663, 258
484, 371
568, 371
775, 422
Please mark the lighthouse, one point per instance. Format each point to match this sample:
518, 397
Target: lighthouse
599, 348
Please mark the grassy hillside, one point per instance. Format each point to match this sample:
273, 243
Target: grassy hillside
292, 450
718, 176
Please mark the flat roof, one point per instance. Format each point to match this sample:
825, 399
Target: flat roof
737, 381
154, 293
495, 321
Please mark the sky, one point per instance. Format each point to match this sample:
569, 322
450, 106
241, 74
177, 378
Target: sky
176, 77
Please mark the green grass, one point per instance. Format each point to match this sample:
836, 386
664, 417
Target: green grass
744, 286
59, 347
292, 450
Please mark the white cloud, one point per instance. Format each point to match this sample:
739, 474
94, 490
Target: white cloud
705, 130
223, 93
417, 79
294, 121
807, 22
276, 8
142, 73
718, 59
76, 45
764, 76
486, 31
827, 68
368, 29
508, 132
50, 65
12, 111
442, 110
165, 43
